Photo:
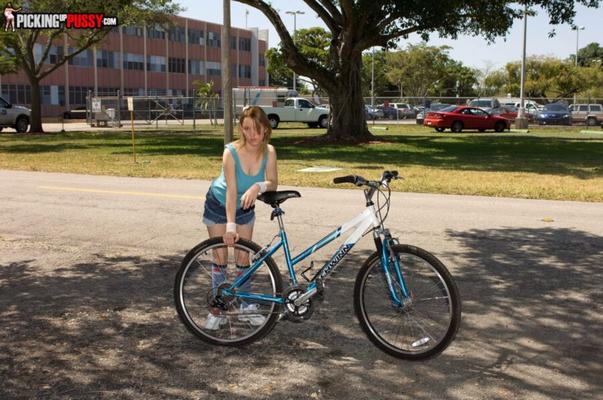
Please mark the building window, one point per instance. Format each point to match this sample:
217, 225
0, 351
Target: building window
196, 37
245, 71
133, 31
16, 94
156, 63
196, 67
213, 39
83, 59
77, 94
177, 34
105, 59
177, 65
244, 44
214, 68
155, 32
134, 61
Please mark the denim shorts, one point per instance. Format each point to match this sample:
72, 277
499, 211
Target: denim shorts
215, 213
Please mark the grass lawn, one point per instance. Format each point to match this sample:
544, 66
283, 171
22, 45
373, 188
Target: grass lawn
546, 163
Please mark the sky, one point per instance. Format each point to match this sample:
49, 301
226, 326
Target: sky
471, 51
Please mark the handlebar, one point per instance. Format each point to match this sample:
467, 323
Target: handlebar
360, 181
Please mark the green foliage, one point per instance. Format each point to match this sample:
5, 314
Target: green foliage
423, 70
591, 55
547, 77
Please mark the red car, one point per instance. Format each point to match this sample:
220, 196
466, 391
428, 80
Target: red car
457, 118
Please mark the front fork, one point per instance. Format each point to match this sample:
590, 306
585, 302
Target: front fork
390, 263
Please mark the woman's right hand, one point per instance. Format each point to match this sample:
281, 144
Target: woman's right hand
230, 238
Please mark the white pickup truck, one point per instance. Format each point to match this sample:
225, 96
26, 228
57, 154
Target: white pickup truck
298, 109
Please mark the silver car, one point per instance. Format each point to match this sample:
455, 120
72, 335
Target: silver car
12, 116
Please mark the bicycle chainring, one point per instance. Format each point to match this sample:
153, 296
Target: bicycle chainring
297, 313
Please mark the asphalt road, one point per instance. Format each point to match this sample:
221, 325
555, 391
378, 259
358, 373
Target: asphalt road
87, 265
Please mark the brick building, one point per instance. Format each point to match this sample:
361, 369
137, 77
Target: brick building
188, 51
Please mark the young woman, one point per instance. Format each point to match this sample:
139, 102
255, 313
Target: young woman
248, 169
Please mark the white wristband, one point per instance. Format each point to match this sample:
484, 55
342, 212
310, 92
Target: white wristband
262, 186
231, 227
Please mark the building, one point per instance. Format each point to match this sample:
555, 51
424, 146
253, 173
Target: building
144, 61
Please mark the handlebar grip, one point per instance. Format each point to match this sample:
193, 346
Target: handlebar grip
345, 179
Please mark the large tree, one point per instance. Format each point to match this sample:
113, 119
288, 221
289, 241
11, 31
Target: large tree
18, 49
357, 25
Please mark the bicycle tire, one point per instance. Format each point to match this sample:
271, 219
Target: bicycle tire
188, 306
416, 343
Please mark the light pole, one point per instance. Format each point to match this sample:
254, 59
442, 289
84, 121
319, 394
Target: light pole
226, 78
521, 122
295, 13
373, 78
577, 29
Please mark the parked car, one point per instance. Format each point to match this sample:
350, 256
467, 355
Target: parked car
485, 104
13, 116
554, 114
373, 113
433, 107
591, 114
298, 109
457, 118
75, 113
399, 111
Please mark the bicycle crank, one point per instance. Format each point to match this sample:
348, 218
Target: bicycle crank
295, 310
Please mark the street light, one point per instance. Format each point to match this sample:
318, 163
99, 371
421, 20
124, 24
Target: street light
577, 29
294, 13
521, 122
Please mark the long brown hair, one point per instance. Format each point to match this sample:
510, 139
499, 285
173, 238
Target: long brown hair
260, 121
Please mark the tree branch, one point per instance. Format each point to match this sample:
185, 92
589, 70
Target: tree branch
296, 61
92, 39
323, 14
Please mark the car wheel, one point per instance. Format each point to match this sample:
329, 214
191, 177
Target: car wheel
499, 126
273, 121
22, 124
591, 121
323, 122
439, 129
457, 127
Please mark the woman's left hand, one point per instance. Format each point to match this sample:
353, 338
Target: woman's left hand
249, 197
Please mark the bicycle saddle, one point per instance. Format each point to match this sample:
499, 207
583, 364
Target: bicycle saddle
276, 198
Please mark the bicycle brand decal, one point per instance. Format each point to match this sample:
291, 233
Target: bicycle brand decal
335, 260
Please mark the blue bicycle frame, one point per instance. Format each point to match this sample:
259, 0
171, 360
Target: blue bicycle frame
362, 223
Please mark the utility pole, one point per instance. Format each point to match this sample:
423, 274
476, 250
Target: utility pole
226, 78
578, 29
295, 13
521, 122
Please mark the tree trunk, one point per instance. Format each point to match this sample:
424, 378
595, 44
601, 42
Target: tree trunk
35, 123
348, 119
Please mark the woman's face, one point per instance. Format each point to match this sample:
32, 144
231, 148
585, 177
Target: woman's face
252, 135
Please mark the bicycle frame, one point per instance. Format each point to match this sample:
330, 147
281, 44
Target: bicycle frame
362, 222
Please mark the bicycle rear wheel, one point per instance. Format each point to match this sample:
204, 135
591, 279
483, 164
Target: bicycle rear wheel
426, 323
236, 322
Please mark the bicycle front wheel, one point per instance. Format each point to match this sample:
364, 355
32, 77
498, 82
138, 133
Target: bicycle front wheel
427, 321
229, 321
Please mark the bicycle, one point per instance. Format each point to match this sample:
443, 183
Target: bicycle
404, 297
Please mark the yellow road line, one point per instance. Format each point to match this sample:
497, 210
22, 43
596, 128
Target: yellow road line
167, 195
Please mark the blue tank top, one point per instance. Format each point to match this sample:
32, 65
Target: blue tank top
244, 181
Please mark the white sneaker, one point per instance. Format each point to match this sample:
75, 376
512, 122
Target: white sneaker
249, 314
213, 322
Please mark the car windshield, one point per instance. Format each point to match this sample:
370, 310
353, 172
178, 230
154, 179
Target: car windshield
555, 107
